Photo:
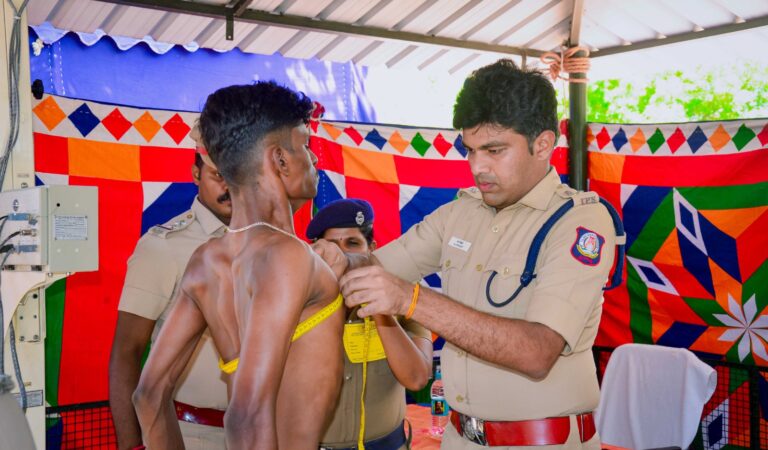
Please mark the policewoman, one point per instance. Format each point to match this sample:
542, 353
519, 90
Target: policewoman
371, 407
523, 258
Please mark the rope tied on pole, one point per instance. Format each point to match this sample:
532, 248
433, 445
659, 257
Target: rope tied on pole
568, 63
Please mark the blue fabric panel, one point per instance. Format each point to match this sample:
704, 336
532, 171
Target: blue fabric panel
423, 203
176, 199
181, 80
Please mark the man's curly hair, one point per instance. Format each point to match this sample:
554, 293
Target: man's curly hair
235, 119
503, 94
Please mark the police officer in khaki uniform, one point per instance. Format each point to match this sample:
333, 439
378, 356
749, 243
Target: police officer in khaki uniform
154, 271
407, 361
518, 370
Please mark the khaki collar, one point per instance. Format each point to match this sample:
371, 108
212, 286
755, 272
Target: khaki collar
210, 223
541, 194
537, 198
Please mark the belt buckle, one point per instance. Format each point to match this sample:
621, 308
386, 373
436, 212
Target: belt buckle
473, 429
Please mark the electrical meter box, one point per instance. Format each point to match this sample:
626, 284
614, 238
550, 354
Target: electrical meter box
52, 229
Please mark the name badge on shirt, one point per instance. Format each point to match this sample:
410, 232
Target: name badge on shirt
461, 244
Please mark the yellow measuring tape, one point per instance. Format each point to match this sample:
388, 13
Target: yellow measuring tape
316, 318
367, 329
301, 329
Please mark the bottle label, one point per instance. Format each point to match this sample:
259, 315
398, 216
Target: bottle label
439, 407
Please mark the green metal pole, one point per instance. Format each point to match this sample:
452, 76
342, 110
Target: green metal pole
577, 129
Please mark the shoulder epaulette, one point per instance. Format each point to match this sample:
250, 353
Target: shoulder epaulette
178, 223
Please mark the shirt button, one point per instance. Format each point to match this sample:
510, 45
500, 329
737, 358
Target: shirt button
347, 377
460, 353
479, 267
448, 263
506, 271
495, 229
459, 399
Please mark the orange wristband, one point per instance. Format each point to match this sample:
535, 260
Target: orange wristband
414, 300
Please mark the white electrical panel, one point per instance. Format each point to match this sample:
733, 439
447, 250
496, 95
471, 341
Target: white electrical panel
52, 229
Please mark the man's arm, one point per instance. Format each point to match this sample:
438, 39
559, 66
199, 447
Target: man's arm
529, 346
269, 317
169, 356
410, 358
132, 335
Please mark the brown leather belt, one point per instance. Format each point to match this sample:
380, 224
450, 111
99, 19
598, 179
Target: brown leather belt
201, 416
549, 431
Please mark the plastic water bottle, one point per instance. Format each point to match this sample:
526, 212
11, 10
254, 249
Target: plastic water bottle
439, 406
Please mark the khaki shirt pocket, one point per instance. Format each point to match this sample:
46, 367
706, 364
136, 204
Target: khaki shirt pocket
452, 262
502, 280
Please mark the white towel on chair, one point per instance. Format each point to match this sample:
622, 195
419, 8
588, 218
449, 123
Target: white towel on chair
652, 397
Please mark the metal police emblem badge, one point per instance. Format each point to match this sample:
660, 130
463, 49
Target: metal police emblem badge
360, 219
587, 247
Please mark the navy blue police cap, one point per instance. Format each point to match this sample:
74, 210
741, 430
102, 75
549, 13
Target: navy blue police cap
343, 213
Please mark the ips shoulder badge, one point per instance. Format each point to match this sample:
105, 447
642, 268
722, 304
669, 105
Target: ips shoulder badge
587, 247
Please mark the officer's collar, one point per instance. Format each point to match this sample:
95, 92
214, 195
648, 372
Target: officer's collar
210, 223
541, 194
537, 198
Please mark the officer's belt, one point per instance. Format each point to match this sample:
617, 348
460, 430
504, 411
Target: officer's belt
200, 416
549, 431
392, 441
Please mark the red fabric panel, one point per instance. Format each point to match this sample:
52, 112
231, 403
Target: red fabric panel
433, 173
166, 164
696, 171
614, 324
51, 154
754, 237
90, 309
301, 219
328, 154
385, 199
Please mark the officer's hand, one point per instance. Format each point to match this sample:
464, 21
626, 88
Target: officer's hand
379, 290
332, 255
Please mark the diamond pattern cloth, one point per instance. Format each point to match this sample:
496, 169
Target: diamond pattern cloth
694, 201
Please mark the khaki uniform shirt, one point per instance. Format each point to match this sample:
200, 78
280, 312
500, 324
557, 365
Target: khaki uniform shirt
467, 240
384, 399
154, 272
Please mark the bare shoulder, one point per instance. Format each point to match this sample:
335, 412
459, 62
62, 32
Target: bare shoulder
205, 261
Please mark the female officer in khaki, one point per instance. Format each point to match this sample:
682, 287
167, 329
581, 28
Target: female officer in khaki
408, 346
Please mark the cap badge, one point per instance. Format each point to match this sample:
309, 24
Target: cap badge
360, 219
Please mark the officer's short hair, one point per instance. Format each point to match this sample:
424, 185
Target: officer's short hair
503, 94
235, 119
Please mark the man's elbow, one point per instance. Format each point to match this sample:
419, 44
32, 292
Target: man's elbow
418, 377
538, 366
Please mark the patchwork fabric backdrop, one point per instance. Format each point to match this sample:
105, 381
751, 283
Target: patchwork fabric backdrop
694, 199
140, 160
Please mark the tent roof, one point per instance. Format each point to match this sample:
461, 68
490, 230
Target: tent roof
436, 35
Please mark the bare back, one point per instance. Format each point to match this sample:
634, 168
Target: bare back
276, 282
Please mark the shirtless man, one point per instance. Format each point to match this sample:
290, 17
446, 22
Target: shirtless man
281, 390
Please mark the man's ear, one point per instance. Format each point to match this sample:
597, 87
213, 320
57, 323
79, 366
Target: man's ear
372, 245
196, 175
544, 144
279, 159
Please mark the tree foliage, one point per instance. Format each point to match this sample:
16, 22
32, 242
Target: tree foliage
675, 96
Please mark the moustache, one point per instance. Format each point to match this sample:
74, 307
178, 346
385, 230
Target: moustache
223, 197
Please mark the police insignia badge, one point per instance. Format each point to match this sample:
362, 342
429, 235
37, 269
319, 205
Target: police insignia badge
360, 219
587, 247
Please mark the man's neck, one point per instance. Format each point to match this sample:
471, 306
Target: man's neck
258, 204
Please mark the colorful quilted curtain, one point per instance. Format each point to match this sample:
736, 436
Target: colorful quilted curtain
694, 199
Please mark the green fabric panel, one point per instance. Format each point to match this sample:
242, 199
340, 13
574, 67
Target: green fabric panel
54, 321
727, 197
655, 231
640, 311
757, 286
